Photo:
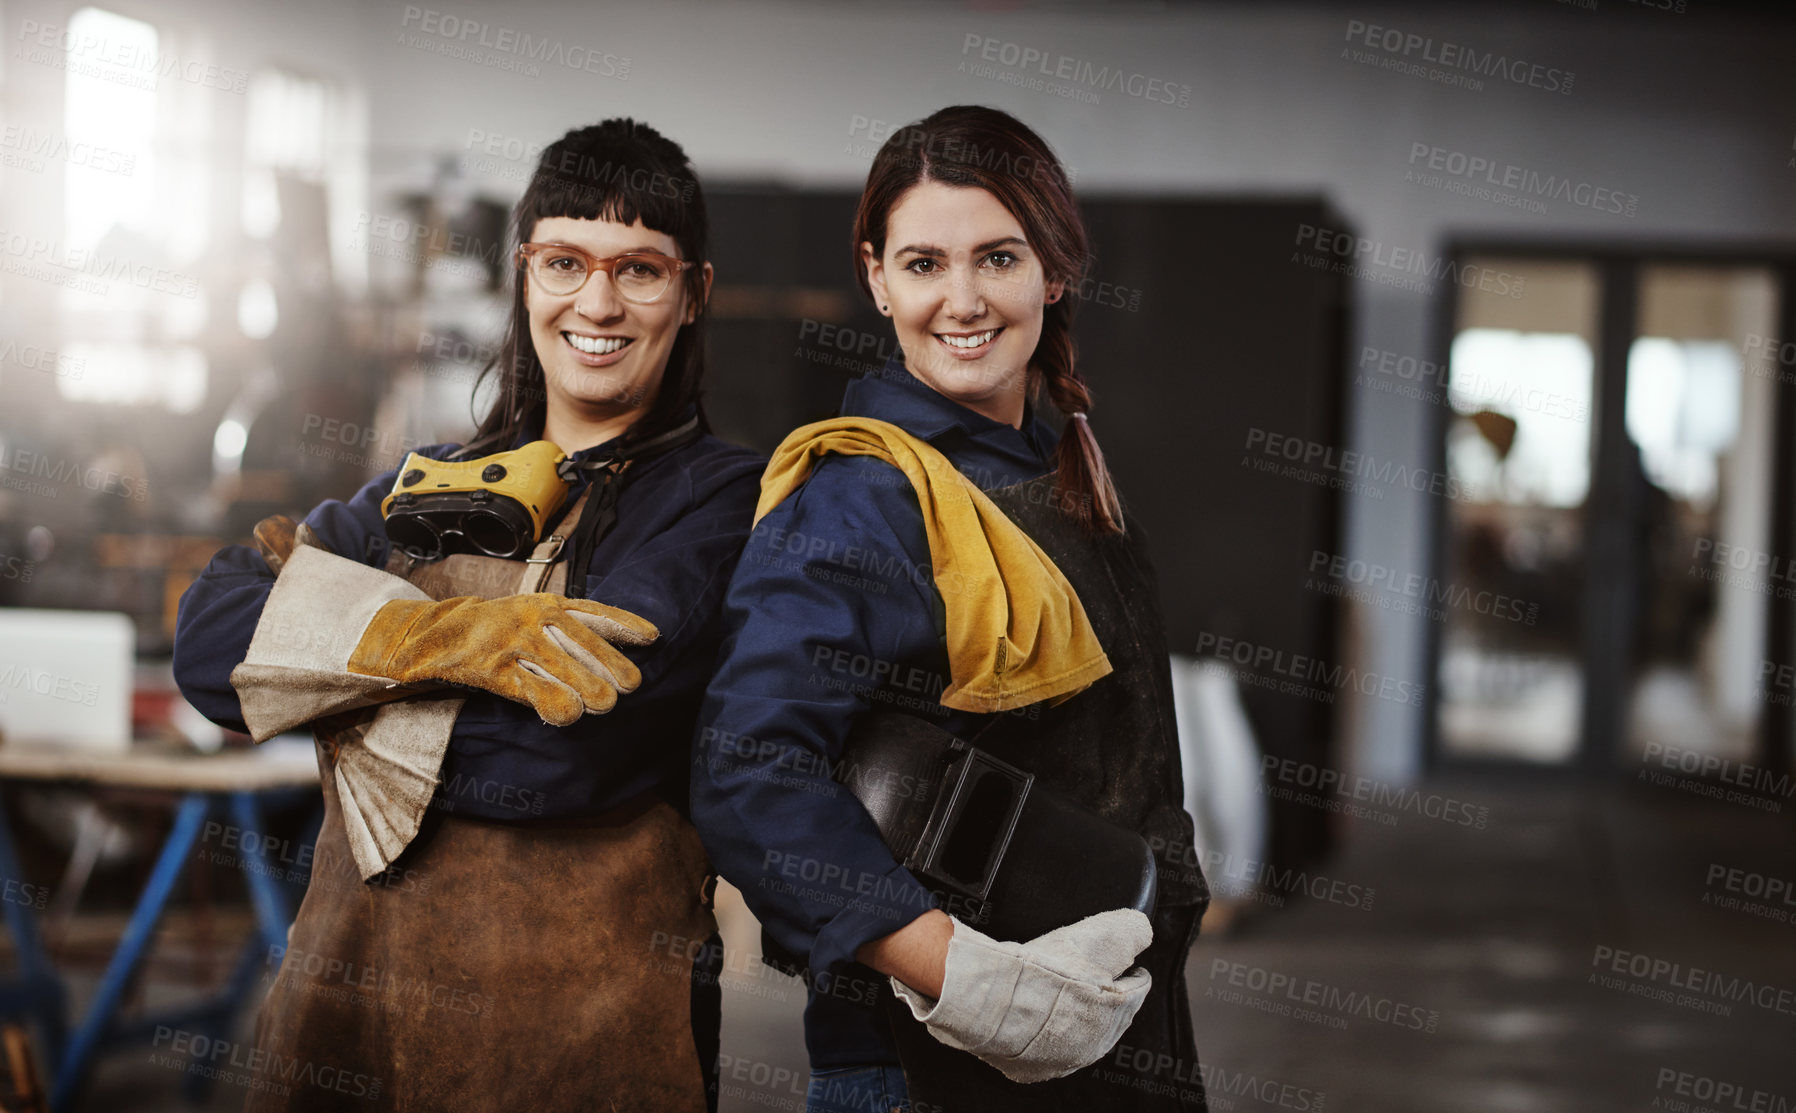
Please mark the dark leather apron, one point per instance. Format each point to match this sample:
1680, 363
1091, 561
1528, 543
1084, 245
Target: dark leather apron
1113, 748
493, 966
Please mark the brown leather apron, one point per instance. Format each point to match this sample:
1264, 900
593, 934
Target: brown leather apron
1114, 749
494, 966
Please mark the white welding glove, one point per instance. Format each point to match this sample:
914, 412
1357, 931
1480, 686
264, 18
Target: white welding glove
1041, 1009
297, 672
297, 668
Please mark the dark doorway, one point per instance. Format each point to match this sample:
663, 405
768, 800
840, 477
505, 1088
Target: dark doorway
1615, 579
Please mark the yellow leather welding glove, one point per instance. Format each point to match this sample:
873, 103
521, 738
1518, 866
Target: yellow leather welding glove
553, 653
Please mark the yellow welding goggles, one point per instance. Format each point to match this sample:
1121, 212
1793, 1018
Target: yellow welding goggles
497, 505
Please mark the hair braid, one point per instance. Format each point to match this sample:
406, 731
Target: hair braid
1087, 492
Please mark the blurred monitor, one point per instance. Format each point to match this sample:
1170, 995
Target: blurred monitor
65, 678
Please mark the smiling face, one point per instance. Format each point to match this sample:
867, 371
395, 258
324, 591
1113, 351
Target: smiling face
603, 357
965, 292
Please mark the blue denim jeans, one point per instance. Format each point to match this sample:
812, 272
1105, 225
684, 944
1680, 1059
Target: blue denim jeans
858, 1090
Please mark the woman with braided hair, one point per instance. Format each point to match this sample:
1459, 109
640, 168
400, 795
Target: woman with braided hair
936, 568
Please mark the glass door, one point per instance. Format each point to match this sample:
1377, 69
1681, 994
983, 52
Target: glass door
1608, 568
1699, 415
1520, 383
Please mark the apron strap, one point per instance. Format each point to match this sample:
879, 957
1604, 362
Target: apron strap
614, 470
541, 561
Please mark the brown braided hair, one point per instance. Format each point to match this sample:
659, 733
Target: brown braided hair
971, 145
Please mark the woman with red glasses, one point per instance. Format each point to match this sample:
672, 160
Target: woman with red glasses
505, 888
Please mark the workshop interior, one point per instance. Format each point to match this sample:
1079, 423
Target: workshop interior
1445, 355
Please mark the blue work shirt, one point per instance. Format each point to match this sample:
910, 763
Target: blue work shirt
832, 612
681, 522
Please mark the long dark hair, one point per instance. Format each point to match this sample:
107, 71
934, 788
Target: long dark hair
971, 145
615, 170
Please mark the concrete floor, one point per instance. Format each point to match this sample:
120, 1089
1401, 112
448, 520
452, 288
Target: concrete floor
1499, 931
1503, 940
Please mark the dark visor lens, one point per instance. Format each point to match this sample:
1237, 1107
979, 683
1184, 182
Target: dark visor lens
414, 533
493, 534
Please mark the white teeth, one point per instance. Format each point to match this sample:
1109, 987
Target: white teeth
966, 341
596, 347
